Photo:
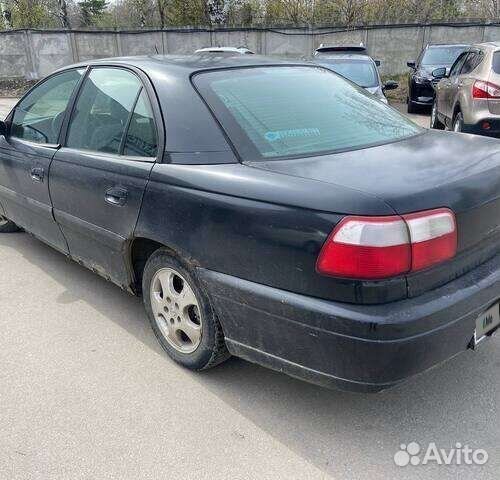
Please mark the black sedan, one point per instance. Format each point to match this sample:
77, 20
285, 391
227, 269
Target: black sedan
266, 209
420, 79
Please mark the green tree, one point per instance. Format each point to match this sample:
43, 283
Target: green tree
92, 11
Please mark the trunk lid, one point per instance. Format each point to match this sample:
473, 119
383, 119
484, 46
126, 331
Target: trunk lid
431, 170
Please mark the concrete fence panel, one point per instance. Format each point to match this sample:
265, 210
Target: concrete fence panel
446, 34
33, 54
49, 52
186, 42
90, 46
144, 43
394, 47
14, 61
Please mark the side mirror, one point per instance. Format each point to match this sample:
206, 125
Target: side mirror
411, 64
439, 73
390, 85
377, 62
3, 129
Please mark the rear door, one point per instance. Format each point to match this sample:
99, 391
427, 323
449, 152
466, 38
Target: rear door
98, 177
466, 79
453, 84
26, 154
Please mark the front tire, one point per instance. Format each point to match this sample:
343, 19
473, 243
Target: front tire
181, 314
6, 226
435, 123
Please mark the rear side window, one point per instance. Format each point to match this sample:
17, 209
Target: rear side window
38, 117
141, 139
496, 62
103, 109
272, 112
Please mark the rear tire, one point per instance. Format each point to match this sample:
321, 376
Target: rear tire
6, 226
181, 314
458, 122
435, 123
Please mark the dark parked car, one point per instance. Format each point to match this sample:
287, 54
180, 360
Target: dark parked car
266, 209
420, 79
354, 63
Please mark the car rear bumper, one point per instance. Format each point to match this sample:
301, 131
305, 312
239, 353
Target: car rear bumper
478, 128
365, 348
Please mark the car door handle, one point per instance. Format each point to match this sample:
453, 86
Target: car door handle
116, 196
37, 174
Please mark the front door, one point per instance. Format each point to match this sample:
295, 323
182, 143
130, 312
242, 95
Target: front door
27, 152
98, 178
450, 86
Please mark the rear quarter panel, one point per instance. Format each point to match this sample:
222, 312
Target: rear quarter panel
255, 225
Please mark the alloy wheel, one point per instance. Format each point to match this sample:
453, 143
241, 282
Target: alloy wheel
176, 310
3, 221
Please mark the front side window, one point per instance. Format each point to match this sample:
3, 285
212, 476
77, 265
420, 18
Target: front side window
455, 69
38, 117
102, 111
271, 112
361, 72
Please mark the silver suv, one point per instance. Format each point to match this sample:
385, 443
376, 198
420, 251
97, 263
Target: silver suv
468, 98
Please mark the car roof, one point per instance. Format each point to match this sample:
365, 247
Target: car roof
445, 45
343, 55
190, 125
326, 48
188, 64
489, 45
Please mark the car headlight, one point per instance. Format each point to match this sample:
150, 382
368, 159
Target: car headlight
419, 79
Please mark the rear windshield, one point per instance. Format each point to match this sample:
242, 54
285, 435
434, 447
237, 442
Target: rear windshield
441, 55
361, 72
271, 112
496, 62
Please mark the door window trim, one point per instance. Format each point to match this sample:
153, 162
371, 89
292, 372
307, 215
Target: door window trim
147, 87
52, 146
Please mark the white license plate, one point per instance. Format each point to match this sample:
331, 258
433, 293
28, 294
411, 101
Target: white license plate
486, 323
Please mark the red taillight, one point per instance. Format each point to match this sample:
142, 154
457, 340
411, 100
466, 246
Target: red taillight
482, 89
370, 248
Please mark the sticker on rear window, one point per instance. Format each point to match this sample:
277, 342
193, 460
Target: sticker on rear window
297, 132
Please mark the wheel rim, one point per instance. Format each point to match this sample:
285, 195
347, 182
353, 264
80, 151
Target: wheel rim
176, 310
433, 115
457, 126
3, 221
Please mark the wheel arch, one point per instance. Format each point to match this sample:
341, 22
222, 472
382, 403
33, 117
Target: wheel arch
138, 252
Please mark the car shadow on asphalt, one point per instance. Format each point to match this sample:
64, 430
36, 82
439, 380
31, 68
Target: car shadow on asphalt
456, 401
